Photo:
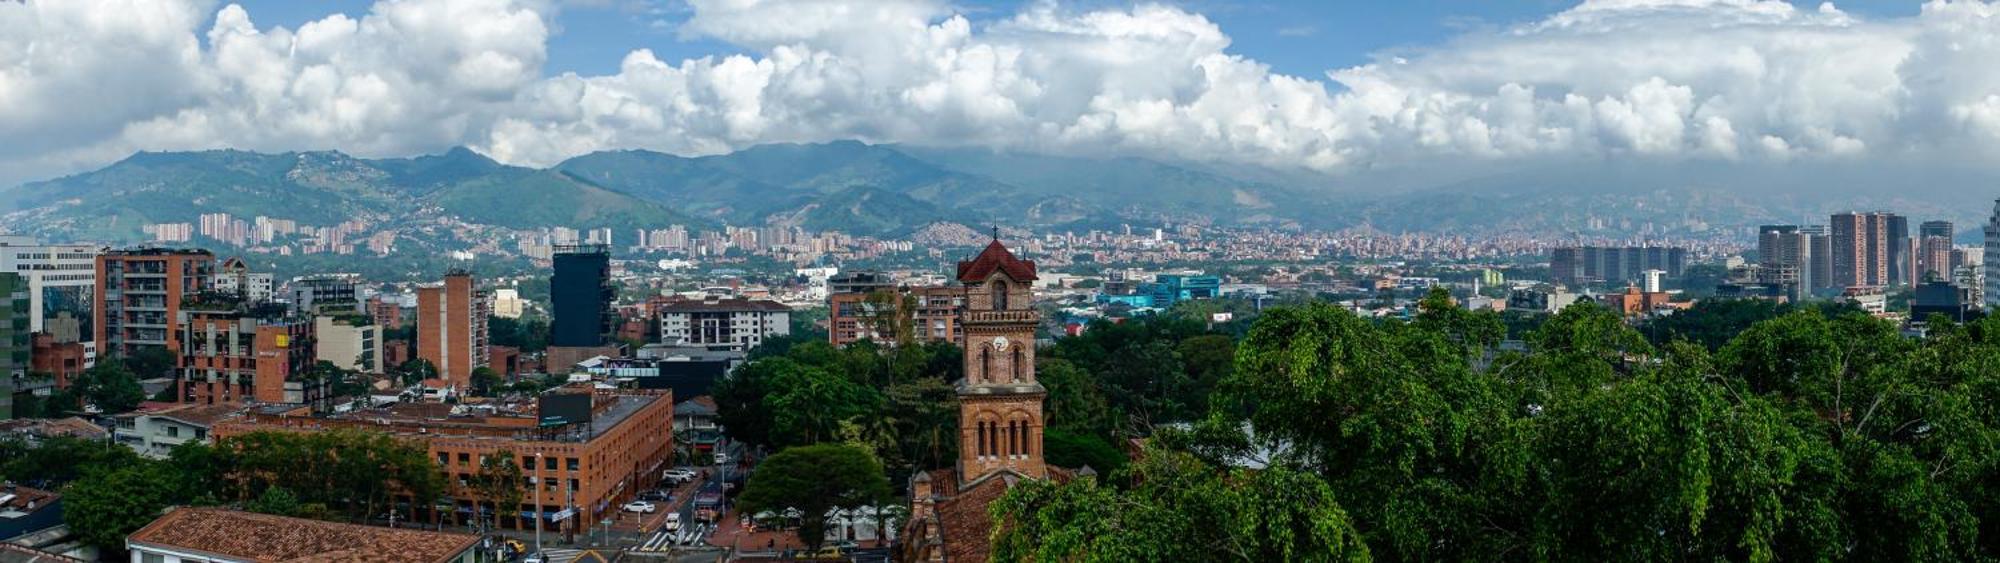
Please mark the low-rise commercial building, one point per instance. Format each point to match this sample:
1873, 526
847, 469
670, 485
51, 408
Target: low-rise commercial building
931, 311
234, 352
583, 452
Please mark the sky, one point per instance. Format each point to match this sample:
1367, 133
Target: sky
1329, 86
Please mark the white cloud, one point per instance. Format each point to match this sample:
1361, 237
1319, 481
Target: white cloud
86, 81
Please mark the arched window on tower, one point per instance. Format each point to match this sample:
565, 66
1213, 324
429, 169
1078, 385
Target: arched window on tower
985, 364
1020, 373
999, 295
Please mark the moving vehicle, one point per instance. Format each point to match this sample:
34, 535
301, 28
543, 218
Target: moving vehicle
678, 476
640, 506
673, 521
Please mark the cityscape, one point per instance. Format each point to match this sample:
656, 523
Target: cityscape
915, 281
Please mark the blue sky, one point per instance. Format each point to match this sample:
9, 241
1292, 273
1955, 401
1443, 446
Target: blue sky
1297, 37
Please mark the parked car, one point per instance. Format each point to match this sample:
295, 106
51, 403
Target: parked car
640, 506
678, 476
658, 496
721, 458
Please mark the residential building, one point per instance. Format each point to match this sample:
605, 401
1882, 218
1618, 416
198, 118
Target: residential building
1934, 251
62, 280
1863, 253
15, 341
507, 303
1820, 267
1000, 414
1608, 264
349, 343
1542, 298
24, 511
730, 323
1785, 259
1990, 260
388, 313
234, 277
1635, 301
697, 424
140, 292
580, 296
221, 535
157, 428
330, 294
451, 327
586, 450
931, 313
232, 352
1901, 251
859, 282
61, 360
33, 430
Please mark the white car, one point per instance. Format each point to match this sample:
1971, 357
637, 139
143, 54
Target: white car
673, 521
640, 506
721, 458
678, 475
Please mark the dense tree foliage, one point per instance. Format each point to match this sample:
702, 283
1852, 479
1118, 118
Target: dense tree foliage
1748, 432
896, 402
815, 480
110, 491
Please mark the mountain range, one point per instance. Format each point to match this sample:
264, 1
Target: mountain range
886, 191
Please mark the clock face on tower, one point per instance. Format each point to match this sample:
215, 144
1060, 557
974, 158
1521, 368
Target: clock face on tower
1000, 343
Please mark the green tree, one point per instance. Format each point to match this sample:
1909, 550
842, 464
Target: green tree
114, 501
499, 483
110, 386
275, 500
815, 480
415, 371
484, 381
1075, 401
1180, 510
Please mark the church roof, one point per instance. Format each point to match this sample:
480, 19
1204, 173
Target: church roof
996, 258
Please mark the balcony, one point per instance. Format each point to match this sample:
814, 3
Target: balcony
1008, 316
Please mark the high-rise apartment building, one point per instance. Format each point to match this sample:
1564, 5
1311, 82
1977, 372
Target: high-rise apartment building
580, 296
139, 297
15, 344
1934, 250
1991, 262
1901, 252
1820, 266
451, 327
1785, 259
1862, 254
733, 323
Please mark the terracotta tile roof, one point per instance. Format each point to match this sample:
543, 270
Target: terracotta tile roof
963, 523
25, 499
199, 415
265, 538
10, 553
74, 427
996, 257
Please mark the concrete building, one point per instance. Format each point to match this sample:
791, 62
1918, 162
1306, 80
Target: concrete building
233, 276
63, 360
15, 342
154, 431
387, 313
451, 327
140, 297
220, 535
348, 343
1990, 261
730, 323
328, 294
507, 303
1785, 259
1934, 257
583, 455
62, 280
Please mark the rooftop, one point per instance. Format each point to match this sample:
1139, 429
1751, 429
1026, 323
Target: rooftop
722, 305
996, 258
263, 537
74, 427
199, 415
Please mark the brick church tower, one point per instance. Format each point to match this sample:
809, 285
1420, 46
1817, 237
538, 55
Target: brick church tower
1000, 403
999, 415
